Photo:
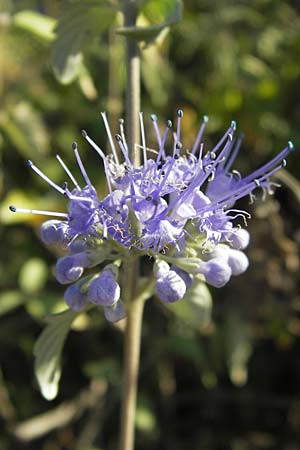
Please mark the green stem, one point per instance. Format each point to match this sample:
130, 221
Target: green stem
131, 360
133, 90
131, 267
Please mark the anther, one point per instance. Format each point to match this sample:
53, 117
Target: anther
12, 208
118, 138
291, 145
233, 125
153, 117
149, 198
74, 145
257, 182
213, 155
205, 119
284, 163
169, 124
178, 146
29, 163
176, 156
83, 133
121, 121
65, 185
180, 113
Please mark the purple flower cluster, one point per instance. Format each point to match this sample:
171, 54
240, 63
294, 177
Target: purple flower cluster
177, 207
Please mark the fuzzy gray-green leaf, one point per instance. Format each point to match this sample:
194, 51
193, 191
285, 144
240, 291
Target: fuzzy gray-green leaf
48, 350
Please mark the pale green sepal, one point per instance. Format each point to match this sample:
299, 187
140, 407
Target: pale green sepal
190, 265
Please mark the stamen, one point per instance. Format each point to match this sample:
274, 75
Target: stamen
200, 134
237, 174
36, 211
156, 129
234, 153
80, 199
81, 166
123, 149
200, 156
113, 148
100, 152
278, 158
163, 142
179, 115
122, 132
68, 172
229, 133
202, 177
44, 177
143, 139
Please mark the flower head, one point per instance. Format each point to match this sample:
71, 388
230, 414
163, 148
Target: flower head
177, 206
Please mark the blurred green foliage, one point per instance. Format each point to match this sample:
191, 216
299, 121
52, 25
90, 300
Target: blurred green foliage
212, 377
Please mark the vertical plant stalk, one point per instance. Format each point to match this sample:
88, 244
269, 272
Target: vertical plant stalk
131, 268
131, 357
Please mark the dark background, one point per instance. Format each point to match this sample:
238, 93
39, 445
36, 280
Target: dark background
226, 377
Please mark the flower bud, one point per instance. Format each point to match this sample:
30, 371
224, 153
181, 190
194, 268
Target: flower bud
52, 231
74, 298
237, 261
104, 290
77, 246
115, 312
160, 268
187, 277
216, 271
170, 287
239, 239
68, 269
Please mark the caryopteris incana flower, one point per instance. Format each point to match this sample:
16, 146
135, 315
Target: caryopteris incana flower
177, 207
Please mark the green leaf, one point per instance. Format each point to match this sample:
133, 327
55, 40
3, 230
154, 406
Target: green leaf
35, 23
195, 307
107, 369
33, 275
238, 347
158, 15
25, 129
10, 300
79, 23
47, 352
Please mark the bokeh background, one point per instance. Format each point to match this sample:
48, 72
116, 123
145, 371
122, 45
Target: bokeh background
225, 374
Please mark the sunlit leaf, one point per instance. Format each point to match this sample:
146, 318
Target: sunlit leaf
238, 347
156, 75
17, 197
145, 419
43, 304
24, 127
48, 350
255, 66
10, 300
160, 14
33, 275
87, 84
79, 23
35, 23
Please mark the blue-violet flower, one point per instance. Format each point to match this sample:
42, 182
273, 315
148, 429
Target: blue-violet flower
177, 207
